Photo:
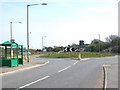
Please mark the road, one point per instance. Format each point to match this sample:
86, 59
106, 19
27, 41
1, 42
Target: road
60, 73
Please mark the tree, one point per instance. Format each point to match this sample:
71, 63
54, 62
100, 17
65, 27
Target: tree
114, 43
111, 38
49, 49
95, 41
57, 49
97, 45
93, 47
75, 46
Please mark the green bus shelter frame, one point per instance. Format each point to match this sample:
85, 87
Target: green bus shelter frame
9, 60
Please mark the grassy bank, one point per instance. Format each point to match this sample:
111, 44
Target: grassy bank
74, 55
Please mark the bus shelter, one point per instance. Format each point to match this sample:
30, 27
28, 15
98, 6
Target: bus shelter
10, 55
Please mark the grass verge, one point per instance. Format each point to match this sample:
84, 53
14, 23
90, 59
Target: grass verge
74, 55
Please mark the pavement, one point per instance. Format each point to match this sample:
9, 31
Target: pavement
25, 66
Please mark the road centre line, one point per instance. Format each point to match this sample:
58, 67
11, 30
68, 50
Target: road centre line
64, 69
33, 82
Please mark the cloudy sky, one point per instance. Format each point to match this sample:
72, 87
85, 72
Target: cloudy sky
63, 22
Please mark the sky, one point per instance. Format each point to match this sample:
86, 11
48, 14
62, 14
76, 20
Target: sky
63, 22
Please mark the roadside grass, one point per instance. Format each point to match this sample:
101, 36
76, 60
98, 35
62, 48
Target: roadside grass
74, 55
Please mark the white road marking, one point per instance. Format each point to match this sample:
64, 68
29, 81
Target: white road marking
106, 77
84, 59
33, 82
75, 63
64, 69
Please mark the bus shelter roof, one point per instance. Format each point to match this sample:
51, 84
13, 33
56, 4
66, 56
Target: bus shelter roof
7, 43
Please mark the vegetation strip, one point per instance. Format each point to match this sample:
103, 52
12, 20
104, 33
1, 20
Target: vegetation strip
74, 55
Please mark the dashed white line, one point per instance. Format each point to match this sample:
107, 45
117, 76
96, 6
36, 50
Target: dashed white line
64, 69
75, 63
33, 82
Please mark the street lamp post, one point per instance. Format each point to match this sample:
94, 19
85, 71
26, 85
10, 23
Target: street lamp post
11, 55
11, 30
28, 27
43, 42
99, 43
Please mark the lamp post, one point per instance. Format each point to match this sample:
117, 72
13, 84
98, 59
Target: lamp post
99, 43
11, 29
11, 39
43, 42
28, 27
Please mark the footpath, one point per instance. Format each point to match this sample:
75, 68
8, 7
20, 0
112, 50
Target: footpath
27, 65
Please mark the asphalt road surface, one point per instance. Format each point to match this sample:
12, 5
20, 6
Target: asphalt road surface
60, 73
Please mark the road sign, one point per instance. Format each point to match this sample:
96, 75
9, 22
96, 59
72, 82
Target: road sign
66, 49
71, 49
